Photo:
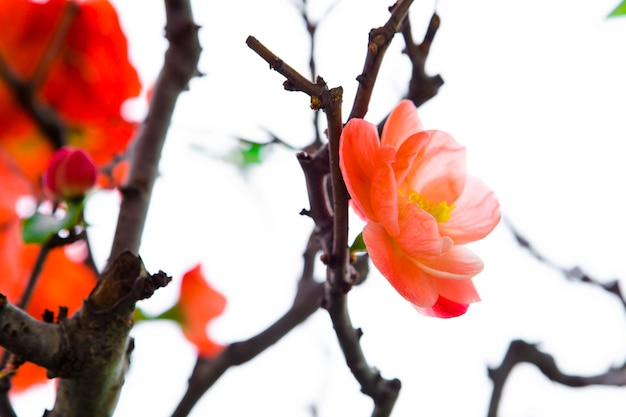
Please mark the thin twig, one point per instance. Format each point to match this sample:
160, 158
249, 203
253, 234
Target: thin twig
311, 28
574, 273
421, 87
520, 351
379, 40
295, 81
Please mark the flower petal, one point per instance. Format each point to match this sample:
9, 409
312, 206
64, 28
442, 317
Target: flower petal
444, 309
384, 199
200, 304
358, 152
407, 152
439, 171
475, 215
401, 123
401, 271
419, 235
457, 263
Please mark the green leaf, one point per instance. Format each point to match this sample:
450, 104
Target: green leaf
252, 155
173, 314
358, 245
39, 228
248, 153
620, 10
139, 315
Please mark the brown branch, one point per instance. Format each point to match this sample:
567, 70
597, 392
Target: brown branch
46, 119
379, 40
340, 276
5, 384
383, 392
421, 87
573, 274
295, 81
96, 343
181, 60
33, 340
316, 168
520, 352
311, 28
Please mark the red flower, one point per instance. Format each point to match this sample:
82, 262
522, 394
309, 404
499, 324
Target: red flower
421, 209
198, 305
70, 174
84, 75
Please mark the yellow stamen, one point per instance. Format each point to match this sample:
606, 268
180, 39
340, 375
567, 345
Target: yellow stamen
440, 211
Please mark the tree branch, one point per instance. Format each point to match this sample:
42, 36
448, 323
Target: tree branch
97, 346
520, 352
340, 276
181, 60
421, 87
379, 40
33, 340
573, 274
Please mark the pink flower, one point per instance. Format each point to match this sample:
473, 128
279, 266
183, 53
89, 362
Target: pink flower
71, 173
420, 207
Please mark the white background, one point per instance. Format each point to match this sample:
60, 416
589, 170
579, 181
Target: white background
536, 92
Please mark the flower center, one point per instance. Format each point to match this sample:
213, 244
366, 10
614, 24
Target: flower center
440, 211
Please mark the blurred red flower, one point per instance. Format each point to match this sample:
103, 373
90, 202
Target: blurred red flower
75, 57
199, 304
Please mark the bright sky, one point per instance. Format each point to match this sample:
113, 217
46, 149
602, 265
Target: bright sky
536, 92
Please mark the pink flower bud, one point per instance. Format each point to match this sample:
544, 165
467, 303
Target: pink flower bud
71, 174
